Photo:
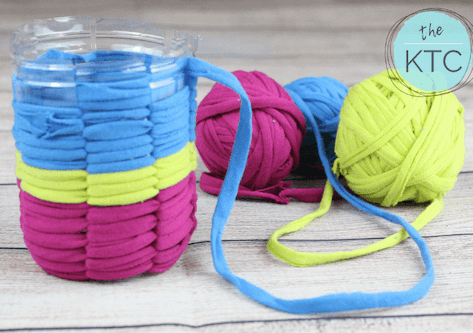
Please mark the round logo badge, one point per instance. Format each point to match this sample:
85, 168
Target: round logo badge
430, 52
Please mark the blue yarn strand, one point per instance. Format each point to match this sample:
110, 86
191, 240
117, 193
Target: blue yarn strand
328, 303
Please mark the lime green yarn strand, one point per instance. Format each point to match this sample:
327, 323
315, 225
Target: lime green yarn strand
391, 147
304, 259
301, 258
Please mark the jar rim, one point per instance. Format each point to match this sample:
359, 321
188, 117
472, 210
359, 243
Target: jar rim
85, 34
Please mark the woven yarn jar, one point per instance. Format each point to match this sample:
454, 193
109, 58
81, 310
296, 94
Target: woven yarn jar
104, 130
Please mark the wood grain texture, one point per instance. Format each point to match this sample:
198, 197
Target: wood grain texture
389, 324
199, 296
286, 40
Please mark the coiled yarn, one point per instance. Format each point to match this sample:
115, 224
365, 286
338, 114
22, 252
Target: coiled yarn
279, 129
323, 98
391, 147
394, 147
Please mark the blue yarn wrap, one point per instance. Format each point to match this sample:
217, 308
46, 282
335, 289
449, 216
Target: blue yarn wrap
322, 97
105, 111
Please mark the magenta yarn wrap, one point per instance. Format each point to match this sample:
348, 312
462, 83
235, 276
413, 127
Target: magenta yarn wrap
120, 242
278, 130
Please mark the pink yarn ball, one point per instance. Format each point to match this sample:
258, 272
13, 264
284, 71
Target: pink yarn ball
278, 130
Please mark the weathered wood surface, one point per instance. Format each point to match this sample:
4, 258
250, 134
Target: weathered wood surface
286, 40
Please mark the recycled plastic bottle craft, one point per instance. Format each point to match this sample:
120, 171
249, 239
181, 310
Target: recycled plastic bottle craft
104, 130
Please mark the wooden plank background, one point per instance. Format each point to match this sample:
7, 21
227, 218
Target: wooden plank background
286, 40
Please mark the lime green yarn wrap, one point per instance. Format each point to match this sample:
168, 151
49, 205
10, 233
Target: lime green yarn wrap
394, 147
107, 189
391, 147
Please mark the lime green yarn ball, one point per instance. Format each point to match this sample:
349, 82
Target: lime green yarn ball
393, 147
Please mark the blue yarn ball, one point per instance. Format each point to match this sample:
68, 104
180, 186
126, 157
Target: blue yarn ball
323, 98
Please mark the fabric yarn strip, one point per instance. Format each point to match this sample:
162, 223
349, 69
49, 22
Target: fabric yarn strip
105, 122
327, 303
107, 189
80, 241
